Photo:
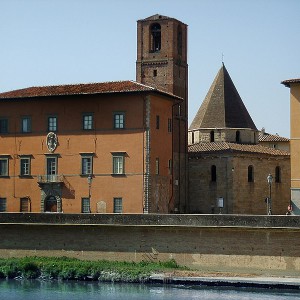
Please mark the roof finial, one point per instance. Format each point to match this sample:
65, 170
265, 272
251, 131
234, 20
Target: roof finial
222, 58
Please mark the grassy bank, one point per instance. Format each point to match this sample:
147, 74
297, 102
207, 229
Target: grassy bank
64, 268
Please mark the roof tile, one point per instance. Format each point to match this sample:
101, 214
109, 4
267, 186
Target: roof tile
218, 147
81, 89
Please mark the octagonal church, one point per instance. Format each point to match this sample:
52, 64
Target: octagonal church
228, 166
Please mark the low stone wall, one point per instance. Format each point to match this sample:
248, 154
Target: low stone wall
268, 245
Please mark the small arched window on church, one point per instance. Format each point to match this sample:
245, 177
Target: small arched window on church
213, 173
212, 136
155, 37
179, 40
250, 173
238, 136
277, 174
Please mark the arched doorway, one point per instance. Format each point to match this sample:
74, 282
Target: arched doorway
51, 204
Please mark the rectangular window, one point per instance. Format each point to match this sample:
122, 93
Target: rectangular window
86, 165
52, 124
2, 204
119, 120
85, 205
118, 205
157, 166
3, 166
157, 122
26, 124
118, 163
88, 122
3, 125
24, 205
25, 166
51, 169
169, 125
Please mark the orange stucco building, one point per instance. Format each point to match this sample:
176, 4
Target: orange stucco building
103, 147
294, 85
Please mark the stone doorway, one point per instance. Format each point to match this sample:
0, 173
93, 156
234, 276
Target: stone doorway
51, 204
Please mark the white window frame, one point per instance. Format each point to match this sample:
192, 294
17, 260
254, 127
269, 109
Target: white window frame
26, 160
118, 160
26, 124
88, 121
85, 205
52, 169
4, 166
86, 164
52, 125
119, 120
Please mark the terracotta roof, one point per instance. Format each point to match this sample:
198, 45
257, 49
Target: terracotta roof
82, 89
222, 106
219, 147
267, 137
288, 82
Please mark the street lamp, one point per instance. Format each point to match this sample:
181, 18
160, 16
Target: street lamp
90, 180
270, 180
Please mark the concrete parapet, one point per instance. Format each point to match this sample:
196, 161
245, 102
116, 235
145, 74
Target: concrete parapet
251, 221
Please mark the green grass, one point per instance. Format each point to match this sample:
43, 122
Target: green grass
63, 268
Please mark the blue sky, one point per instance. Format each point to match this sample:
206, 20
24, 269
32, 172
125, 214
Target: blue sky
45, 42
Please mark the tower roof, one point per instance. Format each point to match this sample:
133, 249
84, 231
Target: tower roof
222, 106
158, 17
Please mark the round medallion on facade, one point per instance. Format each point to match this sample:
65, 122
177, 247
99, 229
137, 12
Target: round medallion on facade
51, 141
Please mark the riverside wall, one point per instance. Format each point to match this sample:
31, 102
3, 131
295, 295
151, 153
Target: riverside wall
267, 245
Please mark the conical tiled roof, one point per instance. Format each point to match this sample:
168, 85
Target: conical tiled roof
222, 106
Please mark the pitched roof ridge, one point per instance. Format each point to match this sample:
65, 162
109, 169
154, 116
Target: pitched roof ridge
65, 84
144, 85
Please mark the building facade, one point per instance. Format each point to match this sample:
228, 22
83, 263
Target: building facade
273, 141
87, 148
294, 85
228, 167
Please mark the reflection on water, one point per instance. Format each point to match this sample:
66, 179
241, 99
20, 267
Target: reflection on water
54, 290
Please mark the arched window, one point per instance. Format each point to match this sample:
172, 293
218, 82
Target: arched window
277, 174
155, 37
238, 136
250, 174
193, 137
213, 173
179, 40
212, 136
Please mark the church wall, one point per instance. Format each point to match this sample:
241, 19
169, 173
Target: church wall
247, 136
240, 196
250, 196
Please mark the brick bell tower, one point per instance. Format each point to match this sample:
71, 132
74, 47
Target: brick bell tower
162, 63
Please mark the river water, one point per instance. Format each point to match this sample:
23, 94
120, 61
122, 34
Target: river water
47, 290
